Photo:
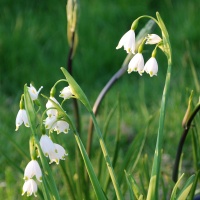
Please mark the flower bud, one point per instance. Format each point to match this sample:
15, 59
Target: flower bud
188, 111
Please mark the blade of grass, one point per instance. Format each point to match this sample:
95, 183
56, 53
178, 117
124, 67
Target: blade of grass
134, 152
134, 187
79, 94
116, 143
105, 131
129, 187
176, 186
183, 194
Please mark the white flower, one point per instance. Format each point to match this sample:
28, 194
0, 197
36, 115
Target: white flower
50, 122
58, 155
66, 93
152, 39
151, 67
52, 110
21, 118
128, 41
33, 169
61, 126
30, 187
136, 64
55, 151
33, 92
47, 145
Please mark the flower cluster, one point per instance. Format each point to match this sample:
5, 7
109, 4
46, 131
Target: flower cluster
22, 115
137, 62
32, 170
54, 122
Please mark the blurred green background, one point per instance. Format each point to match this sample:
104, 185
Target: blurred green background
33, 47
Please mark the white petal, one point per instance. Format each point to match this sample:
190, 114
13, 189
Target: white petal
19, 119
128, 41
58, 155
25, 118
66, 93
33, 92
50, 122
47, 145
62, 126
49, 105
136, 63
153, 39
60, 151
30, 187
151, 67
33, 169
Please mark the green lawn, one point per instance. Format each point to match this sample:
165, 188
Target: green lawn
33, 47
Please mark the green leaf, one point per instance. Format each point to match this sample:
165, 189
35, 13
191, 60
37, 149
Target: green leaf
129, 187
192, 192
183, 194
134, 187
30, 110
95, 183
134, 152
174, 191
77, 91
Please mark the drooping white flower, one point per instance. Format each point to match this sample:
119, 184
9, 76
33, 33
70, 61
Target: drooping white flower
50, 122
30, 187
153, 39
151, 67
21, 118
54, 151
61, 126
33, 92
47, 145
66, 93
58, 155
33, 169
128, 41
136, 64
52, 110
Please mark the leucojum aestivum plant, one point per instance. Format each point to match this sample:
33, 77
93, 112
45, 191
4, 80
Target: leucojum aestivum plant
45, 150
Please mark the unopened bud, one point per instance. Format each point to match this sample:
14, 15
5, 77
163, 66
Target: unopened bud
188, 111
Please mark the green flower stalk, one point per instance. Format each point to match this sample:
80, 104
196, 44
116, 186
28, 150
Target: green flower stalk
151, 67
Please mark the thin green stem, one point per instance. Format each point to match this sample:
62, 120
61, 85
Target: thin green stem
155, 174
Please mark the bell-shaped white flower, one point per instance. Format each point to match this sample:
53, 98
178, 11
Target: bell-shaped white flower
30, 187
66, 93
153, 39
52, 110
128, 41
50, 122
33, 92
21, 118
33, 169
151, 67
136, 64
58, 155
47, 145
54, 151
61, 126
